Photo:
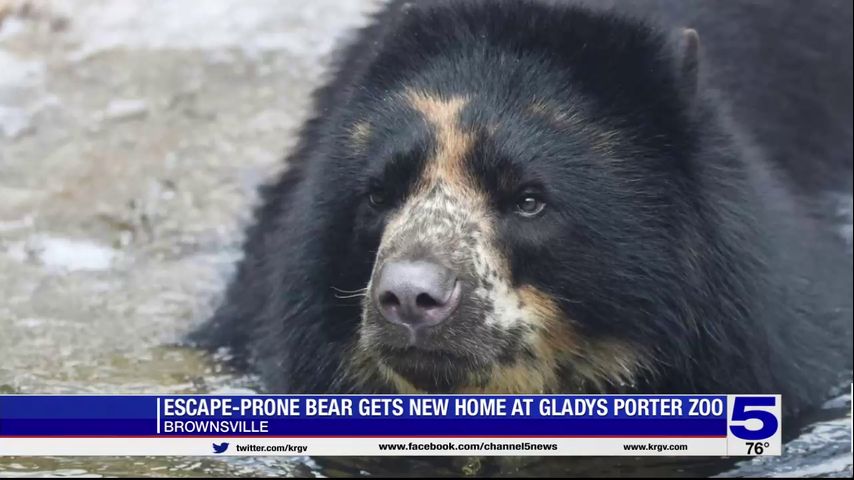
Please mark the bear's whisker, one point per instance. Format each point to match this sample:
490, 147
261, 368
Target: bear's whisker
360, 290
355, 295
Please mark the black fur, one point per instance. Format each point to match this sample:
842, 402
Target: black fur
698, 233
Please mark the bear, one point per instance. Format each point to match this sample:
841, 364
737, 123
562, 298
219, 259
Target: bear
561, 197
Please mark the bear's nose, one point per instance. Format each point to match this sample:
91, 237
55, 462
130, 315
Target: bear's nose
418, 294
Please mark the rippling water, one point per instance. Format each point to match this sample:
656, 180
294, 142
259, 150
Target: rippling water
132, 135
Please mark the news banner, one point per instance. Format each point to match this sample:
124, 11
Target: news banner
392, 425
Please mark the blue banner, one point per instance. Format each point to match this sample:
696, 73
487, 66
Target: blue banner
408, 416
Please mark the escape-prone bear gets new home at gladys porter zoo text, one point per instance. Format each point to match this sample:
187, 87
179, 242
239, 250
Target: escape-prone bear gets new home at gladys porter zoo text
534, 197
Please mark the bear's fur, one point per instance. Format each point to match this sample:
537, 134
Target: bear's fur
683, 246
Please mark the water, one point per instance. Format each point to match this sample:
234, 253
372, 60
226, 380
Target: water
132, 136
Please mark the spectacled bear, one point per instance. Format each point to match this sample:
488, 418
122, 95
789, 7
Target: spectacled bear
534, 196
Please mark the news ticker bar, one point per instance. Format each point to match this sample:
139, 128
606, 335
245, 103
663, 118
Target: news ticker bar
393, 425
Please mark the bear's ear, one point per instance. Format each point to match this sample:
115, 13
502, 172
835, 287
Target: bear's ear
689, 61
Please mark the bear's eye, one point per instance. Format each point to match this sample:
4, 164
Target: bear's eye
529, 205
377, 198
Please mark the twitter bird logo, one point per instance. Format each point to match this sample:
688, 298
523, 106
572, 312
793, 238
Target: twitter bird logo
222, 447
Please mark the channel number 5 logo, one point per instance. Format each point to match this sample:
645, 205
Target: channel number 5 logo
753, 426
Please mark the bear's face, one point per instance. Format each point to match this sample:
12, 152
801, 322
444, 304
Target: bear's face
511, 240
487, 322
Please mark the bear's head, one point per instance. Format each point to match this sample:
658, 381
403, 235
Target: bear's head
523, 212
